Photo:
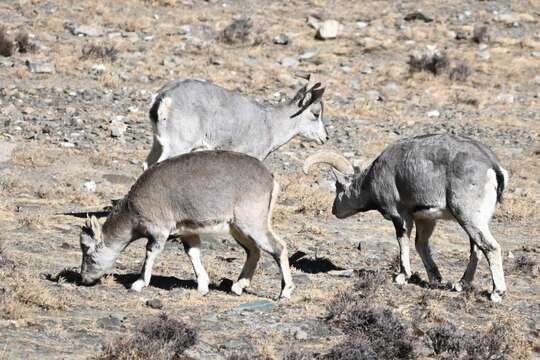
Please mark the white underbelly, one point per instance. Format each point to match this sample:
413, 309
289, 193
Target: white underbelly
197, 229
433, 214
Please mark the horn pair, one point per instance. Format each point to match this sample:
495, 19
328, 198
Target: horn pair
337, 161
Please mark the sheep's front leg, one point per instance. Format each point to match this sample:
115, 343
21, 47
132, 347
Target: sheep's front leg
153, 248
403, 231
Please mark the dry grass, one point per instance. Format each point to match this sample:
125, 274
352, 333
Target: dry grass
6, 44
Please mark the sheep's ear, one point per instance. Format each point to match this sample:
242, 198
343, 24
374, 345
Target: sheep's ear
96, 228
341, 178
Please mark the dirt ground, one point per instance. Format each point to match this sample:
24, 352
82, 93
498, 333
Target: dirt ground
56, 145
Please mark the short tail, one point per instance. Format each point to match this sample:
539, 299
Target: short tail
502, 181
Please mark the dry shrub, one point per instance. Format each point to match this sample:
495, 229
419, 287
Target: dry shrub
161, 338
240, 32
22, 41
10, 306
434, 63
32, 221
97, 51
481, 34
460, 72
27, 289
308, 195
499, 341
525, 264
516, 209
6, 44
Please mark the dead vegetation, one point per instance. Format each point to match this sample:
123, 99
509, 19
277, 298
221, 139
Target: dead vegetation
6, 44
99, 51
23, 43
161, 338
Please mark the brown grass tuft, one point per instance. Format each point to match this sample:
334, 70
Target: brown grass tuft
96, 51
22, 41
6, 44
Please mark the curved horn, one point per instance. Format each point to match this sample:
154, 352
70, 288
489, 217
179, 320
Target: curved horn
337, 161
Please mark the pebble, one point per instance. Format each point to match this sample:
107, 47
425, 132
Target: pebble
361, 24
84, 30
535, 54
40, 67
6, 149
433, 113
308, 54
118, 127
329, 29
300, 334
257, 305
289, 61
90, 186
154, 304
505, 98
374, 95
281, 39
313, 22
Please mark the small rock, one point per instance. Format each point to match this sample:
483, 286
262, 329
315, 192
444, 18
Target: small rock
281, 39
154, 304
361, 24
535, 54
257, 305
84, 30
289, 61
461, 35
510, 255
481, 34
5, 62
433, 113
417, 15
483, 54
98, 69
90, 186
5, 151
184, 29
300, 335
314, 22
40, 67
341, 273
505, 98
329, 29
374, 95
118, 127
308, 54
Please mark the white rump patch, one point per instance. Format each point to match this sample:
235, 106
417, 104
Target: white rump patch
164, 109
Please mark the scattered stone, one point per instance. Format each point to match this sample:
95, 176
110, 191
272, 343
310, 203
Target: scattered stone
505, 98
361, 24
5, 151
300, 334
341, 273
374, 95
314, 22
85, 30
483, 53
281, 39
535, 54
118, 127
308, 54
417, 15
289, 61
6, 63
98, 69
329, 29
90, 186
113, 321
433, 113
481, 34
40, 67
154, 304
184, 29
461, 35
367, 70
257, 305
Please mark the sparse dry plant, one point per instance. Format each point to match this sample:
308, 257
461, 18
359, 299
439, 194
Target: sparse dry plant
433, 62
460, 72
161, 338
238, 32
6, 44
23, 44
99, 51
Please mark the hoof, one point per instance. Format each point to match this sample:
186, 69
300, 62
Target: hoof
458, 286
137, 286
496, 297
237, 289
286, 292
401, 279
203, 290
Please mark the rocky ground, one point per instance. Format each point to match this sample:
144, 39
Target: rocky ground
74, 97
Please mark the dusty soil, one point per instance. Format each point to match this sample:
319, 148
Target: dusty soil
56, 140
